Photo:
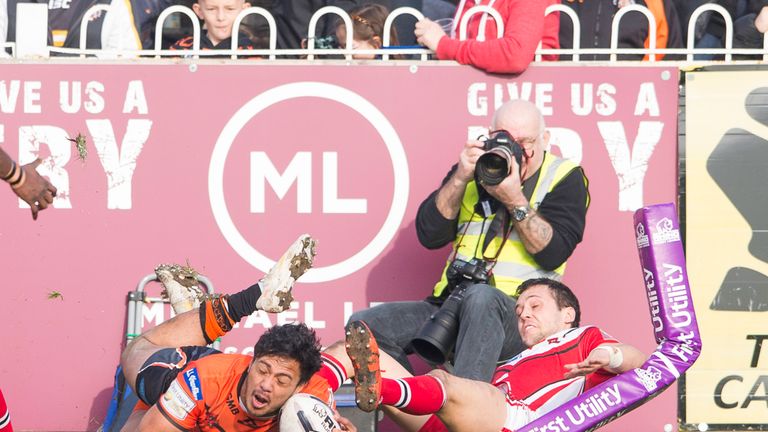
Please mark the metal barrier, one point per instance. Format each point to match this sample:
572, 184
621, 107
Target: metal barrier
651, 29
391, 19
576, 29
313, 27
386, 51
137, 299
728, 27
481, 31
161, 20
272, 28
84, 22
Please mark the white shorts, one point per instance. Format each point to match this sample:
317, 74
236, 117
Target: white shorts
518, 415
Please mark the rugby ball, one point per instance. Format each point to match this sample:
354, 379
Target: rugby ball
306, 413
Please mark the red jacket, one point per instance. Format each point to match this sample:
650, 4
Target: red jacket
524, 27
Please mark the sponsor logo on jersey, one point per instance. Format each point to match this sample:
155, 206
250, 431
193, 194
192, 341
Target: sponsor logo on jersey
193, 382
177, 402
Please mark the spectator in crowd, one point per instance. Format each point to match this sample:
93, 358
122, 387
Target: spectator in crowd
3, 25
26, 183
367, 29
596, 17
562, 358
438, 9
117, 29
750, 22
525, 25
685, 9
527, 226
750, 28
218, 16
710, 27
292, 18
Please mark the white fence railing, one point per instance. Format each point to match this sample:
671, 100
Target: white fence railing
633, 12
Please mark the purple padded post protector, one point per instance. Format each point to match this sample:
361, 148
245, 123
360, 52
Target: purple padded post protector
674, 325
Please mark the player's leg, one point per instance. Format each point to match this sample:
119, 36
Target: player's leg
394, 335
469, 405
337, 368
454, 400
217, 315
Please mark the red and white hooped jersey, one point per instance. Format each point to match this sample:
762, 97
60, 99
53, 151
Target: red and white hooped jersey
535, 377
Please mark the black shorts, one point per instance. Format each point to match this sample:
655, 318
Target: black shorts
162, 367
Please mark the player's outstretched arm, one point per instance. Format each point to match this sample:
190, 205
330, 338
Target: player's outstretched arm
616, 358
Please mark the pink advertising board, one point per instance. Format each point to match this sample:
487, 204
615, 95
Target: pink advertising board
223, 166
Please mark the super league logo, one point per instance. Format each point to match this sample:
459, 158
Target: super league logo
737, 165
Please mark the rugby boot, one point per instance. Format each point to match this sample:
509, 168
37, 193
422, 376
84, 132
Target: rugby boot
277, 283
363, 350
180, 287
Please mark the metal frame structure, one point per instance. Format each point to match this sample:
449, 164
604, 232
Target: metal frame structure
138, 298
311, 51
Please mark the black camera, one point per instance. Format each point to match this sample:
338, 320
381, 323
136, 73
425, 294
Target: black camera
473, 271
435, 341
495, 164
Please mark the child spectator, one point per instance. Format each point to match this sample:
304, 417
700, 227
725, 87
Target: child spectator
367, 30
218, 17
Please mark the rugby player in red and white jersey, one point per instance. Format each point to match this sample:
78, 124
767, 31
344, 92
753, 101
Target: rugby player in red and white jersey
561, 362
184, 385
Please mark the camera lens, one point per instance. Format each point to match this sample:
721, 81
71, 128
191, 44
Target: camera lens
493, 166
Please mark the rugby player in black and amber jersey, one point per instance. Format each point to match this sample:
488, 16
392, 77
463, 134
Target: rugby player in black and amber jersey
185, 385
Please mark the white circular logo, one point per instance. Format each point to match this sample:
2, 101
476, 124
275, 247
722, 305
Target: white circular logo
324, 91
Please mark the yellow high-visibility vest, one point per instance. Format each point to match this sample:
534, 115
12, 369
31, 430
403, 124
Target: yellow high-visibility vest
514, 264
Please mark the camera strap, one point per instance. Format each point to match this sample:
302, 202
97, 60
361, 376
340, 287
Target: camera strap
500, 223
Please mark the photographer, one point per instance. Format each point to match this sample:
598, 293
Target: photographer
533, 218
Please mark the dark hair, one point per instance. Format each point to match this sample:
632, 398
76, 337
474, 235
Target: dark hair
563, 295
368, 21
294, 341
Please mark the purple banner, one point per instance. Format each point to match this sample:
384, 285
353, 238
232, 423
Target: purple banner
657, 232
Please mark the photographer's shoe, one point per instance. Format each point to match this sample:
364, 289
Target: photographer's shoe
277, 284
363, 350
181, 287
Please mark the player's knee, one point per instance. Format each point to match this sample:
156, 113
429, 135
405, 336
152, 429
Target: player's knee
447, 380
336, 350
133, 350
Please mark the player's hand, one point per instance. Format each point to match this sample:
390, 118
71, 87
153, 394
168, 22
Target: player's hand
472, 150
346, 425
596, 360
36, 190
428, 33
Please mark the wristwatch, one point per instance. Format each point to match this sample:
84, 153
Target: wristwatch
519, 213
